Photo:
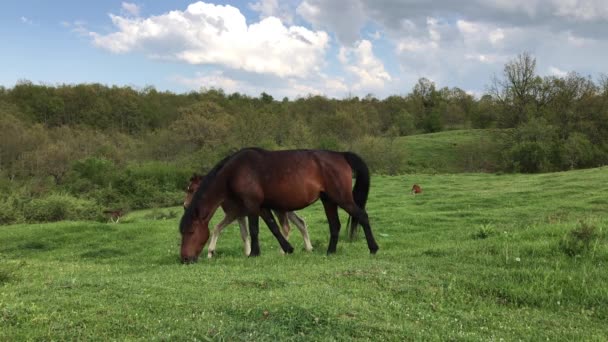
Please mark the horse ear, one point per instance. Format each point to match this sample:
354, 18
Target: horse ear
196, 177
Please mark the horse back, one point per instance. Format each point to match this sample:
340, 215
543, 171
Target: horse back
289, 180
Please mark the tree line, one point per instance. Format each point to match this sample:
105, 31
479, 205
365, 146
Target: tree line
135, 147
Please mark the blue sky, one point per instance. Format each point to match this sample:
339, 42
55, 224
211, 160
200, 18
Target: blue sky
295, 48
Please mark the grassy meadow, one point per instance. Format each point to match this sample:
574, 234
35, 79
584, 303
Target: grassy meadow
457, 151
475, 257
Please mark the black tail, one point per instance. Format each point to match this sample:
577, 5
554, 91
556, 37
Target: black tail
361, 188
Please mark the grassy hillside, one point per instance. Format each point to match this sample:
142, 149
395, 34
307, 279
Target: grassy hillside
475, 257
450, 151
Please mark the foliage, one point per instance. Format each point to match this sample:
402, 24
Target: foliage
118, 146
59, 207
384, 156
578, 151
9, 211
533, 147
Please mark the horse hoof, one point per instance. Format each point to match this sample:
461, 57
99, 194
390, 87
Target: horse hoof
210, 254
373, 251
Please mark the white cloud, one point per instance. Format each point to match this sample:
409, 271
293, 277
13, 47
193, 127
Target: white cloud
490, 58
77, 26
412, 44
578, 41
272, 8
215, 79
582, 10
375, 35
456, 43
131, 8
361, 62
478, 33
253, 85
557, 72
26, 21
344, 17
219, 35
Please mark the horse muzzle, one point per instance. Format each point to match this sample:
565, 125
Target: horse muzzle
189, 260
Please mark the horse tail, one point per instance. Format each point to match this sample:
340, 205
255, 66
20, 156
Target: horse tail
361, 188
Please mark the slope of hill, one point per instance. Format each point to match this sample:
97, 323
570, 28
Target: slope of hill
451, 151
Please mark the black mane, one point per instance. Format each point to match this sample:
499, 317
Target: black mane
192, 211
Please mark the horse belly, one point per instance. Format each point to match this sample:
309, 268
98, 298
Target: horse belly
291, 198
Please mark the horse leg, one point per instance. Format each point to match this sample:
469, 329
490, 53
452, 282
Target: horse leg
363, 219
244, 235
331, 211
216, 234
283, 224
254, 229
282, 217
274, 228
301, 225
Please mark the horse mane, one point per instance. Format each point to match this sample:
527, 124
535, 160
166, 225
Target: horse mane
192, 211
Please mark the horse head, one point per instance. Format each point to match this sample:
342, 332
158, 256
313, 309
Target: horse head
195, 182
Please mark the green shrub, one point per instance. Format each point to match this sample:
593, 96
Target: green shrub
10, 212
577, 151
533, 147
58, 207
382, 155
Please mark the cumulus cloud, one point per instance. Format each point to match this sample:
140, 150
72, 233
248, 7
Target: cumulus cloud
219, 35
348, 17
272, 8
215, 79
344, 17
455, 43
557, 72
361, 62
254, 84
130, 8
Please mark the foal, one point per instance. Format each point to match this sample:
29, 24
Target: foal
282, 216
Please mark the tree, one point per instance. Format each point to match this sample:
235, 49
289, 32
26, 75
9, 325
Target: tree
517, 91
533, 147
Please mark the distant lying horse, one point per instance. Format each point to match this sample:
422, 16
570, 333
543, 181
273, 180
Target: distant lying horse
416, 189
256, 181
283, 217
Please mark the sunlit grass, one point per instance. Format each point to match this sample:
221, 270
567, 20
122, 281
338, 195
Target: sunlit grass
475, 257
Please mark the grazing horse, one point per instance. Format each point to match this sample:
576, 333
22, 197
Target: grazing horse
416, 189
283, 217
256, 181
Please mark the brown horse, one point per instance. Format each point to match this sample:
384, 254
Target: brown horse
256, 181
283, 217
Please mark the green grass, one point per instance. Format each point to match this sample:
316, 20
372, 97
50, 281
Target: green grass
450, 151
475, 257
